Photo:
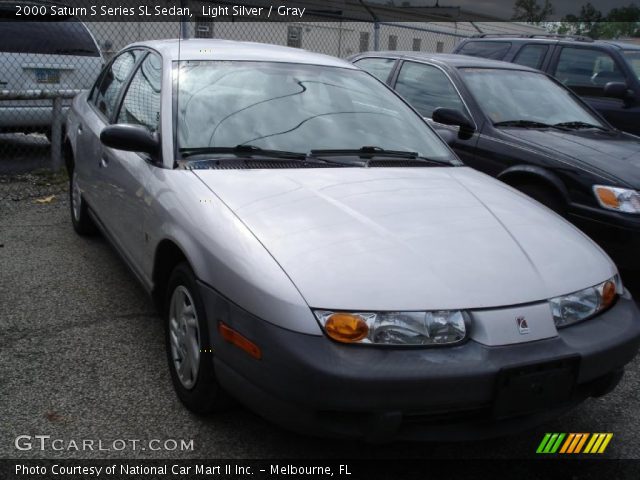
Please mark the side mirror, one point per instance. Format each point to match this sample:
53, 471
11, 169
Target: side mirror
131, 138
450, 116
617, 90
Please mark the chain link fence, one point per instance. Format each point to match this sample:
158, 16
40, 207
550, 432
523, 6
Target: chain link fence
43, 65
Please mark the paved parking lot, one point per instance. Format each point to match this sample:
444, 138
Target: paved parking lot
82, 357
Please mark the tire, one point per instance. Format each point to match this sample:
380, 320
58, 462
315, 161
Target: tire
186, 325
545, 195
80, 219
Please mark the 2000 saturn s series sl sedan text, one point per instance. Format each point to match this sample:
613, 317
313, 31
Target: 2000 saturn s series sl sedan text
320, 254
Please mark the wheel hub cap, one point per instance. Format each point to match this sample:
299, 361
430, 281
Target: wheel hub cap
184, 336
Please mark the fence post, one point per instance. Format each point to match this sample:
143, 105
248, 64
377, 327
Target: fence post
56, 134
376, 36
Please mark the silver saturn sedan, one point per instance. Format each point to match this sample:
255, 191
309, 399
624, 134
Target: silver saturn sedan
320, 254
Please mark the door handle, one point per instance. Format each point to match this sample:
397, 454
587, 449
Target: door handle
104, 162
80, 128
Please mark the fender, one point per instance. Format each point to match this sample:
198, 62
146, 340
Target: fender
536, 173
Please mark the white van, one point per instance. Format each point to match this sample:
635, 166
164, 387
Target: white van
60, 55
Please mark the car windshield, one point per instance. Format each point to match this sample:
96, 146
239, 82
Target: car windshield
295, 108
518, 95
633, 59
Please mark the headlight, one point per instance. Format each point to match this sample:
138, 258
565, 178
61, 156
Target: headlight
618, 199
578, 306
394, 328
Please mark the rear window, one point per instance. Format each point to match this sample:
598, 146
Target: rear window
69, 37
378, 67
493, 50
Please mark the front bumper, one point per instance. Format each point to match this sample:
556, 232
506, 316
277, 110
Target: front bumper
313, 385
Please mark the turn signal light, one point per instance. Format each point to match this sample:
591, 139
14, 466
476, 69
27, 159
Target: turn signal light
608, 294
607, 197
346, 327
231, 336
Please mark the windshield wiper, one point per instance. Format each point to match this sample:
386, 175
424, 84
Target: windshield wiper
369, 152
578, 125
522, 124
251, 151
242, 151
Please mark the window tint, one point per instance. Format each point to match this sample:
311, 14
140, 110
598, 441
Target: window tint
531, 55
378, 67
494, 50
585, 67
50, 38
427, 88
141, 104
111, 81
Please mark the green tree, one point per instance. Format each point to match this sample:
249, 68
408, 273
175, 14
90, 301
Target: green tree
531, 11
584, 24
619, 22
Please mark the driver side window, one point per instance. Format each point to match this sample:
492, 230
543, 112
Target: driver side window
426, 88
587, 70
141, 104
105, 93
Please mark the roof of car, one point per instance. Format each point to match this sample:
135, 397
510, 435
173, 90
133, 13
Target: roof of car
565, 40
212, 49
623, 45
451, 59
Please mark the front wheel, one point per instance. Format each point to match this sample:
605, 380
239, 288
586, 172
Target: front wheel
188, 346
80, 219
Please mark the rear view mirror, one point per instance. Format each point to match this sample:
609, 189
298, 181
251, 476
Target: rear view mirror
450, 116
131, 138
617, 90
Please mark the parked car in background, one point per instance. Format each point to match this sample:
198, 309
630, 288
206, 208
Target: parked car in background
606, 74
319, 253
523, 127
42, 55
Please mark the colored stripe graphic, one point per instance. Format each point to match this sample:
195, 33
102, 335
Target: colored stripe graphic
543, 443
550, 443
573, 443
581, 443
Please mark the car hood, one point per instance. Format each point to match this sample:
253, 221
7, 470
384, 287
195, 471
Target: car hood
409, 238
614, 154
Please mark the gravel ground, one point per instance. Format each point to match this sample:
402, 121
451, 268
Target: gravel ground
82, 357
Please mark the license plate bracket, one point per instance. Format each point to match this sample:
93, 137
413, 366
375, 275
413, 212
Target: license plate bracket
531, 388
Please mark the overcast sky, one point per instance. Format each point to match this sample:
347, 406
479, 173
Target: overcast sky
504, 8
